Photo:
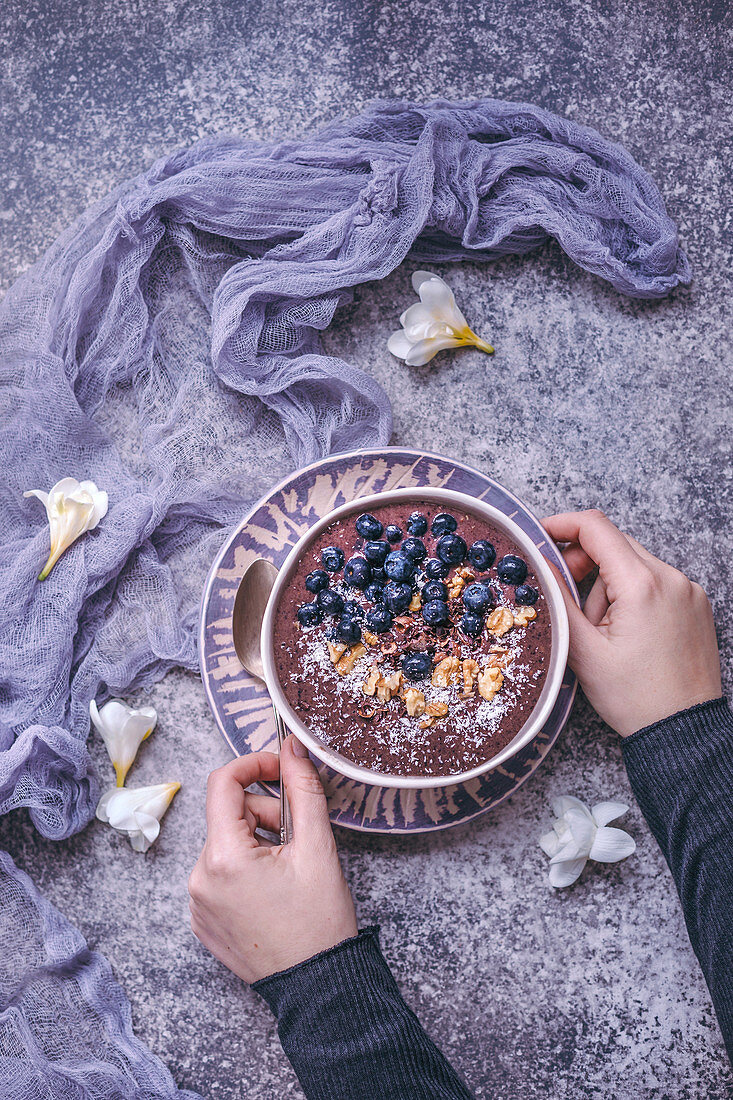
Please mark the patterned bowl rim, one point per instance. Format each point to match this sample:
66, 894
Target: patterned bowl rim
536, 718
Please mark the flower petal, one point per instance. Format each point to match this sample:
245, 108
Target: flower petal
437, 297
39, 493
611, 845
422, 352
399, 345
420, 277
603, 812
571, 850
416, 316
582, 827
550, 843
567, 802
565, 874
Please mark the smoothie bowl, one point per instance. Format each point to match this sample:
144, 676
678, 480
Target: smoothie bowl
416, 638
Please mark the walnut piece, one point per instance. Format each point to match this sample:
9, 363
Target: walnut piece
499, 657
439, 709
433, 712
470, 672
415, 603
455, 586
446, 672
500, 621
336, 652
414, 701
524, 615
370, 684
489, 683
347, 662
387, 686
369, 638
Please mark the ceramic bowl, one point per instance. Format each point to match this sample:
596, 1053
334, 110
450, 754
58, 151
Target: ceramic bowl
445, 500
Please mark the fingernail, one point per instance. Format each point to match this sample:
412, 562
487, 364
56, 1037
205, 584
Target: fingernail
298, 749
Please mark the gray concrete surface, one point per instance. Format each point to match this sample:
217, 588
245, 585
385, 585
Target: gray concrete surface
591, 400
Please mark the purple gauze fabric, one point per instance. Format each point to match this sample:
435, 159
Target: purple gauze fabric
165, 347
105, 375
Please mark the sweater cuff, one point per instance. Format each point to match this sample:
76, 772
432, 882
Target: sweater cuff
672, 752
349, 964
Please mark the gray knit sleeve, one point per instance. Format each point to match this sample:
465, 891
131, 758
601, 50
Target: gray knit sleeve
681, 771
349, 1034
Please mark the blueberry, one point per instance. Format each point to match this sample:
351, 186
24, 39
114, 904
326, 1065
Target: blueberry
398, 566
443, 524
378, 575
309, 614
332, 558
417, 524
348, 630
329, 602
476, 598
379, 620
357, 573
416, 666
414, 548
376, 552
435, 612
472, 625
482, 554
451, 549
436, 569
353, 610
397, 597
511, 569
317, 580
434, 590
526, 594
374, 593
393, 533
369, 526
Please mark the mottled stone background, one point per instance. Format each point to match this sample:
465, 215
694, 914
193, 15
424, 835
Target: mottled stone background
591, 399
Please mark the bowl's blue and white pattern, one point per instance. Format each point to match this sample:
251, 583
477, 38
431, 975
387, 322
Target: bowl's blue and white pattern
241, 705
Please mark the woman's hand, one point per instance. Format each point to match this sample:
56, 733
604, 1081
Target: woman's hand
644, 647
262, 908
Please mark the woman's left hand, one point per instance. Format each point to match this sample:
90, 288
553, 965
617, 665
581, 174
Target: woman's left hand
262, 908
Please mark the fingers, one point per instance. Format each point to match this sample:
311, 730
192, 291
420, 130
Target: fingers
265, 812
225, 798
602, 542
308, 807
584, 638
577, 561
597, 603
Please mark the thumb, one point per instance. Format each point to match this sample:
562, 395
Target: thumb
308, 807
584, 637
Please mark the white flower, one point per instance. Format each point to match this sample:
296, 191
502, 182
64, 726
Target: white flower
123, 730
72, 507
432, 324
137, 813
579, 834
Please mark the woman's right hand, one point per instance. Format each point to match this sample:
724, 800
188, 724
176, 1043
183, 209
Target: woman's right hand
644, 646
259, 907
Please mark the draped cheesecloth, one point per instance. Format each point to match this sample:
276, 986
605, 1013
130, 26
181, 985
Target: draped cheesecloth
167, 344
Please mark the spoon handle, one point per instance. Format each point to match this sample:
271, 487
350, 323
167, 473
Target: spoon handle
286, 822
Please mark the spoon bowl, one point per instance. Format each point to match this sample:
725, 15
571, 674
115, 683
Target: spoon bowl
249, 610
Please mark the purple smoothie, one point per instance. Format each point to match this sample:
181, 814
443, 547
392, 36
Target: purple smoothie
375, 714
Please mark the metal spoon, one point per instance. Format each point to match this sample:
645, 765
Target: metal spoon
249, 609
